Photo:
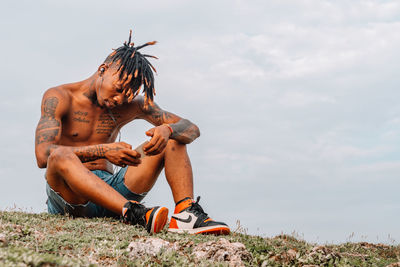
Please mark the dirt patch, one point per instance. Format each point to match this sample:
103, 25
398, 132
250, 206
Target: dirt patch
222, 251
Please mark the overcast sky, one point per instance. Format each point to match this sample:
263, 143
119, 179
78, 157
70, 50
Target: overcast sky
296, 102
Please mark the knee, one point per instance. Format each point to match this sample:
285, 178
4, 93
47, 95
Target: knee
175, 145
59, 156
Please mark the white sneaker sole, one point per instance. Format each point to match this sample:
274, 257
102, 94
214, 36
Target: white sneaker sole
221, 229
160, 218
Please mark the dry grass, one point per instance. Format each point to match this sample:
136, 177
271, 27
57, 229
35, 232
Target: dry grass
48, 240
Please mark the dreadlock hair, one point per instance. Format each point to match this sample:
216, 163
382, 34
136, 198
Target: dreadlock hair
134, 69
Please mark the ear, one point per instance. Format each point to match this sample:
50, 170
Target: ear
102, 68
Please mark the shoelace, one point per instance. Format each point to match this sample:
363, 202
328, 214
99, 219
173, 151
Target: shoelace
197, 209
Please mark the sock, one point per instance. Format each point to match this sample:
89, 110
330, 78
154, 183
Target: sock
183, 204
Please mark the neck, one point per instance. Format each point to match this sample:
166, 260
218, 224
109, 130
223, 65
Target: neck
88, 88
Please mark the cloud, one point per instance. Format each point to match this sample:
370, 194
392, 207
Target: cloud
297, 101
301, 99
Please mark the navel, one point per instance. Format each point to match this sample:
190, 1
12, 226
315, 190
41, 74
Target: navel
75, 134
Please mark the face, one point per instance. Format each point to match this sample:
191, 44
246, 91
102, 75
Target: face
111, 91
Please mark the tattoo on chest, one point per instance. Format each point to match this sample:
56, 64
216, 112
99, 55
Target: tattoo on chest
80, 116
48, 127
106, 124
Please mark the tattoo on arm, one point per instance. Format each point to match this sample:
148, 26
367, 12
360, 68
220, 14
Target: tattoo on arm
184, 131
46, 136
88, 153
156, 115
48, 127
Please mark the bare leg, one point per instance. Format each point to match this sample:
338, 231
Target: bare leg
77, 185
178, 172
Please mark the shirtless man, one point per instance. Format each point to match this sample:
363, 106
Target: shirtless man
76, 142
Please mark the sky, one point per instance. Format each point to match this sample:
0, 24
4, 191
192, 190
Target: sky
296, 102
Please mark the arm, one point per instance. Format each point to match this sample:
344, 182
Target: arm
48, 130
55, 105
183, 130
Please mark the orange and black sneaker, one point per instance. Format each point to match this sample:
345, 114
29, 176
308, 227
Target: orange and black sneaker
189, 217
152, 219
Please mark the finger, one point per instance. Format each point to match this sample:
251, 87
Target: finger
127, 155
158, 150
126, 145
150, 132
132, 153
162, 147
155, 149
151, 143
130, 161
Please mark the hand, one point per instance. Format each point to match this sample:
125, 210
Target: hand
160, 136
121, 154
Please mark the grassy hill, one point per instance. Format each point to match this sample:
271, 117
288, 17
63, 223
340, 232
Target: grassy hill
48, 240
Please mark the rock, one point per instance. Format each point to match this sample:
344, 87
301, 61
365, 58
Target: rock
222, 250
3, 240
150, 246
291, 254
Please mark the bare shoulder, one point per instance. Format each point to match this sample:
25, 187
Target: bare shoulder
61, 92
57, 98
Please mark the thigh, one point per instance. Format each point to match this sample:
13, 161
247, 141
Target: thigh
140, 179
58, 184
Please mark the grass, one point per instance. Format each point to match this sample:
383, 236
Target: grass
49, 240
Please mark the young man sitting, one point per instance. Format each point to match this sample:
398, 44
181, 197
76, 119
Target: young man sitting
76, 142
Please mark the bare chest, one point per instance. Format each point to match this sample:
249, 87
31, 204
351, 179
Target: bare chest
90, 126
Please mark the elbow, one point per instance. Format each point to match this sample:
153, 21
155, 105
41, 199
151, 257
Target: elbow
196, 131
41, 160
41, 164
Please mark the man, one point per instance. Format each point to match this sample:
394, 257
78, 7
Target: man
75, 141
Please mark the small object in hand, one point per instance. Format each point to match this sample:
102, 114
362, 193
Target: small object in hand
139, 149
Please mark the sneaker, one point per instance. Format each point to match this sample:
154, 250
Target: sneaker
189, 217
152, 219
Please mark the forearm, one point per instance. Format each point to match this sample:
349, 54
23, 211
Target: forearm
184, 131
86, 153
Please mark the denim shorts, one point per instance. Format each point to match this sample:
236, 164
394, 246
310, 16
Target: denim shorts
57, 205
